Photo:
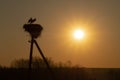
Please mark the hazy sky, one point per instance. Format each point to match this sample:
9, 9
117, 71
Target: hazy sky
100, 19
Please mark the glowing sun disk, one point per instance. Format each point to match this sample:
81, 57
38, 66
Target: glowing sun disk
78, 34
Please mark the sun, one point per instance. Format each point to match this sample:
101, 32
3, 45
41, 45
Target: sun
78, 34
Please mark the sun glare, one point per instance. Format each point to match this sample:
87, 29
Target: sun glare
78, 34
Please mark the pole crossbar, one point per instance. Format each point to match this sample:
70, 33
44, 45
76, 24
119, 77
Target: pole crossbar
41, 53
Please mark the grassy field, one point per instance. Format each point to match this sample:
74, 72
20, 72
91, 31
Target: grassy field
61, 74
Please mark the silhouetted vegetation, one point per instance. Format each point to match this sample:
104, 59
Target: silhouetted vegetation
39, 63
62, 71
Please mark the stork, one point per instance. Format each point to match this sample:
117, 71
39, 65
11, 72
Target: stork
31, 20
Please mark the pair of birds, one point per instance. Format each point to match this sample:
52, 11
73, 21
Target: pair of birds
31, 20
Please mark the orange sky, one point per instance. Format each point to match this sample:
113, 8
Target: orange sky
99, 18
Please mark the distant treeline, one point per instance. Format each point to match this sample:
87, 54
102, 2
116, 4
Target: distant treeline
39, 63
